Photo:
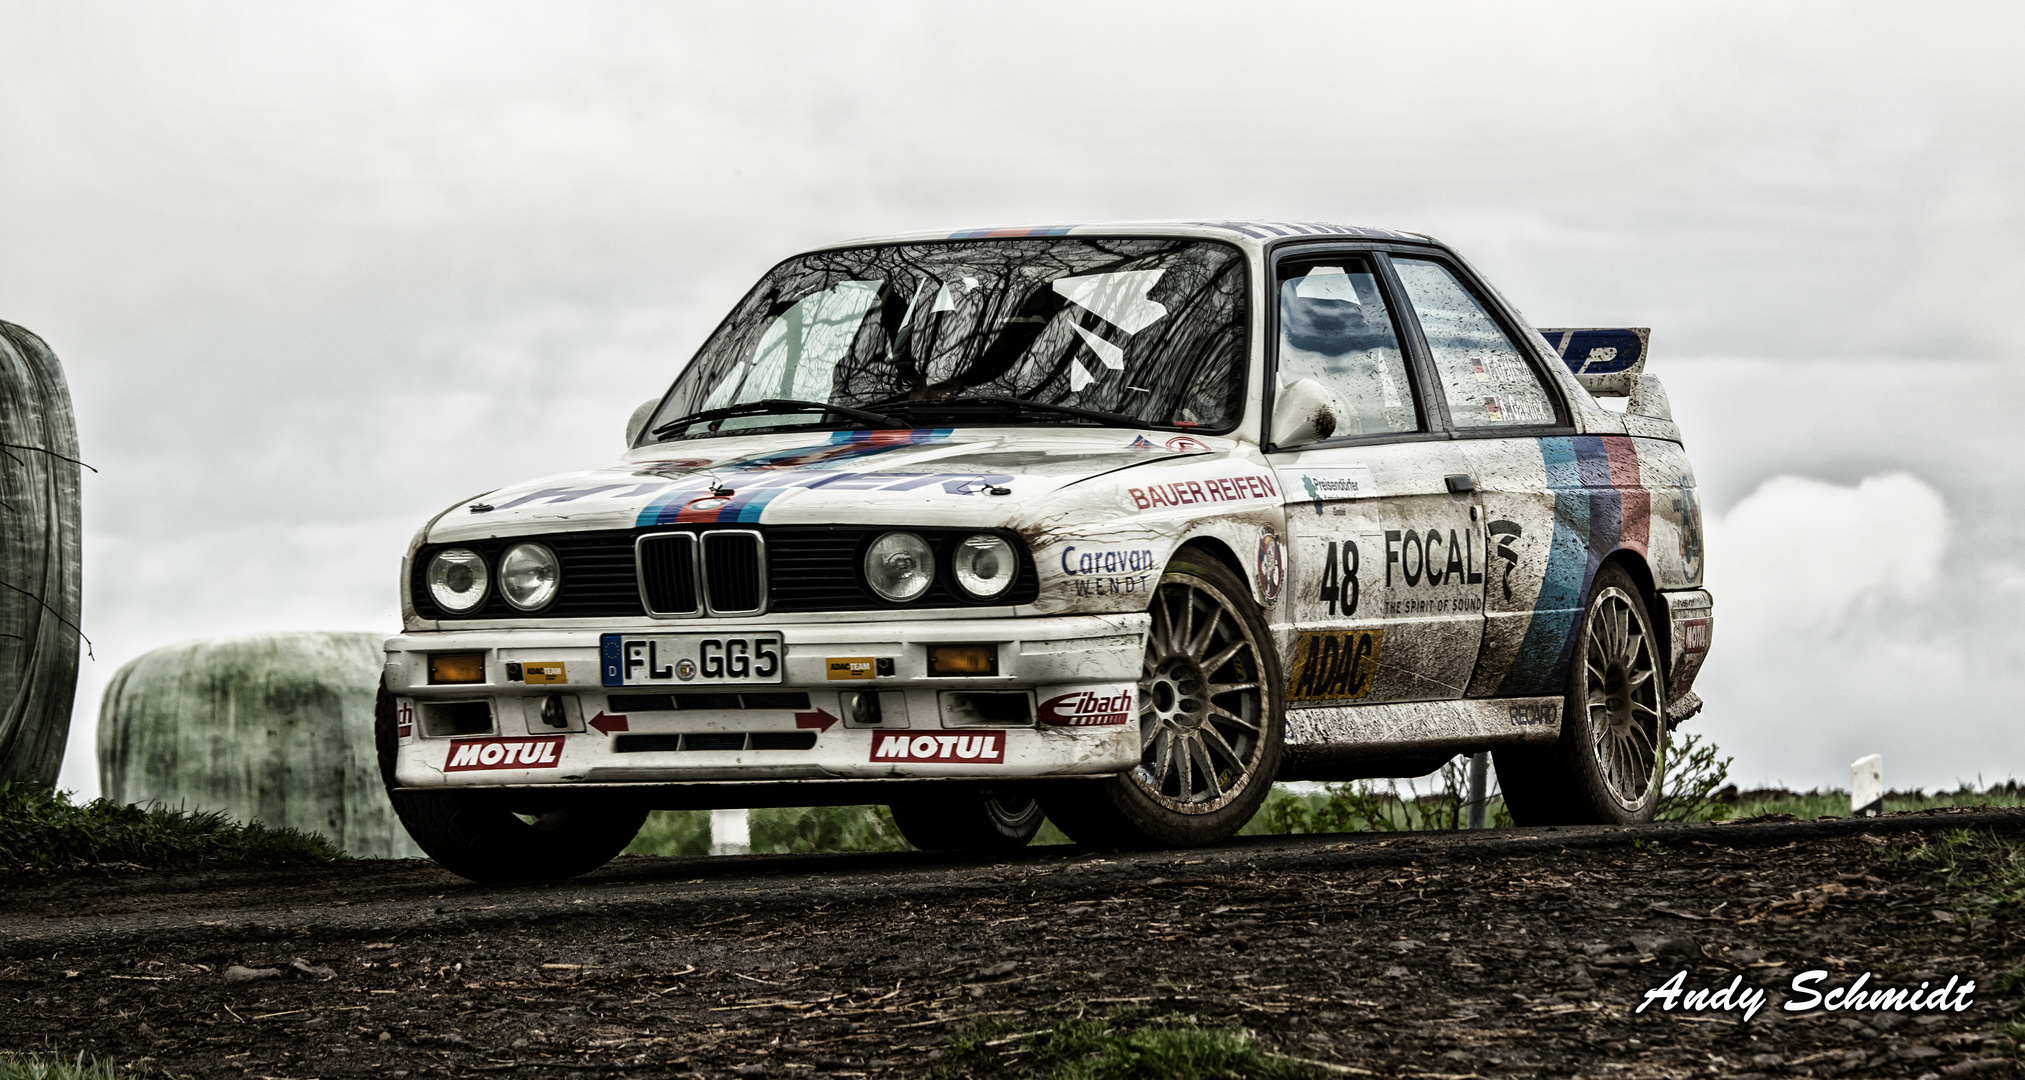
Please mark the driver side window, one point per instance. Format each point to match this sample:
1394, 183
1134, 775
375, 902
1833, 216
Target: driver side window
1340, 370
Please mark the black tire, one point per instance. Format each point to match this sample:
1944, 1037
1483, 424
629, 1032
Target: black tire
1235, 730
476, 835
994, 823
1609, 763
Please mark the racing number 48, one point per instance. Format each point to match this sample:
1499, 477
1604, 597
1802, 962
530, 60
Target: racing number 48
1340, 591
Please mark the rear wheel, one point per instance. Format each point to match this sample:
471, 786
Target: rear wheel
1607, 765
476, 835
1209, 722
996, 822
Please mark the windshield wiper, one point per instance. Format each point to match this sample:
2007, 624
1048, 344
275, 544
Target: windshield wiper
1020, 405
776, 405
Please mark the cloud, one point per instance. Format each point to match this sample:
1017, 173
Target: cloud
1838, 635
1800, 556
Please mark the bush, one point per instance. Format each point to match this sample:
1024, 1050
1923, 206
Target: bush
41, 829
1694, 779
1380, 806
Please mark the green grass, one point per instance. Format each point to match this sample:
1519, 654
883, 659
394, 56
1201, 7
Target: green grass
794, 830
43, 1067
1981, 872
1126, 1044
1822, 803
41, 829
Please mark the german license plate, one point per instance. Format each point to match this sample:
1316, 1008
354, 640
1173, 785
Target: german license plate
690, 659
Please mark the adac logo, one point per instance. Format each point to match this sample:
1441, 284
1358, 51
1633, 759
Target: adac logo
1087, 709
539, 752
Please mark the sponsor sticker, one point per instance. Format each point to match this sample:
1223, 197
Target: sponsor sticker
404, 720
1695, 635
1240, 488
1186, 444
1086, 708
471, 755
1328, 484
848, 667
1533, 713
1272, 568
542, 671
969, 748
1334, 665
1108, 572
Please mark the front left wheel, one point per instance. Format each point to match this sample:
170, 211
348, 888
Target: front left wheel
1209, 722
475, 835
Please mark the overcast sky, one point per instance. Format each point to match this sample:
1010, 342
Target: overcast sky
316, 271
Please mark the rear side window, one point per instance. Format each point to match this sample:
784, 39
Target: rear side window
1487, 380
1337, 337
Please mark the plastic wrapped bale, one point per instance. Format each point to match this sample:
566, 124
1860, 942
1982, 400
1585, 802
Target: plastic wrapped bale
272, 727
39, 558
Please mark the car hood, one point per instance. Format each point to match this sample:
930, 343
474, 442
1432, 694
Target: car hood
918, 477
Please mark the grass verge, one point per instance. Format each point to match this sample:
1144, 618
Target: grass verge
44, 1067
1124, 1044
1981, 872
41, 829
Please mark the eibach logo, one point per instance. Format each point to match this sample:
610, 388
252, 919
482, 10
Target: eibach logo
539, 752
976, 748
1087, 709
404, 720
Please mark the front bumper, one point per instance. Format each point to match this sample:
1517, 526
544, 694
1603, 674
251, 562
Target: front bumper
1077, 676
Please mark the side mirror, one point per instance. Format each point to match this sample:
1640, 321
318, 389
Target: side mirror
639, 421
1303, 413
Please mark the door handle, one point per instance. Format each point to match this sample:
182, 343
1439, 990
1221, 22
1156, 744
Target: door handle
1461, 483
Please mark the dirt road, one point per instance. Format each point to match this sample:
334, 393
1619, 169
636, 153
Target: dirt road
1513, 953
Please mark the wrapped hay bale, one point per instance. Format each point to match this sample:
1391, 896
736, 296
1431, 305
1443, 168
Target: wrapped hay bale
270, 727
39, 559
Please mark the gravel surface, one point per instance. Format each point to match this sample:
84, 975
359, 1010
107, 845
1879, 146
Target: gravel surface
1518, 952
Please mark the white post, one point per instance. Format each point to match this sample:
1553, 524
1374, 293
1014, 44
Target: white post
730, 832
1866, 786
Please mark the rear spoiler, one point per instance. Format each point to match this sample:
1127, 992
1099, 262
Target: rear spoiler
1610, 362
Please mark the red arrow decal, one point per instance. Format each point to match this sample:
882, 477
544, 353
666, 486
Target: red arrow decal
820, 719
605, 725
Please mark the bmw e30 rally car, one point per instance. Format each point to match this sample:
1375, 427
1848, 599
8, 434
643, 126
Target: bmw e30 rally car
1113, 523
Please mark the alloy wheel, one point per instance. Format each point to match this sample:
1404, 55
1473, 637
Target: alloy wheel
1201, 703
1623, 685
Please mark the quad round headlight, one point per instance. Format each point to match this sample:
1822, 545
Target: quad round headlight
457, 579
983, 566
529, 576
899, 566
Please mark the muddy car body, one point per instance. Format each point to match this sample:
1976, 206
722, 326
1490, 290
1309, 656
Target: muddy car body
1120, 523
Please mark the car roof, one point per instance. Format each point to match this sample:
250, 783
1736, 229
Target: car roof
1243, 232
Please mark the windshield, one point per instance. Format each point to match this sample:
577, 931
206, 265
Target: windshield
1149, 330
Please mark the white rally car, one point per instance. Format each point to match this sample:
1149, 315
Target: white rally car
1112, 523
